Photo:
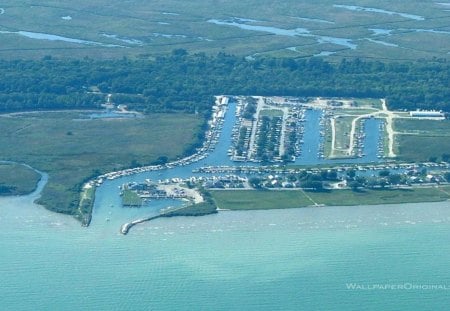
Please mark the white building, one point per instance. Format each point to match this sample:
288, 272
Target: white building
427, 114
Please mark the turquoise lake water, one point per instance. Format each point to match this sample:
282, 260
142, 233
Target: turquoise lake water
298, 259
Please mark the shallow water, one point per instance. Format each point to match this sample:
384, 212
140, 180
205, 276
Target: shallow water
112, 115
381, 11
380, 31
50, 37
445, 32
257, 260
325, 53
163, 35
382, 42
316, 20
273, 30
122, 39
301, 32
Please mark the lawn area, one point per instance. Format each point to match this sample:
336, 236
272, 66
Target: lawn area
433, 136
131, 199
255, 199
17, 179
343, 125
72, 150
199, 209
386, 196
259, 200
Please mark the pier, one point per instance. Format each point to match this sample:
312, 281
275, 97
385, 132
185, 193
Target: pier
168, 212
127, 226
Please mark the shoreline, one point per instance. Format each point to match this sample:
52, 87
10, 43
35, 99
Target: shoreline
247, 200
176, 212
126, 227
43, 178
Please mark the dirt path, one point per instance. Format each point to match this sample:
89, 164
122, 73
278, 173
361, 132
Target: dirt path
309, 198
388, 115
333, 137
389, 128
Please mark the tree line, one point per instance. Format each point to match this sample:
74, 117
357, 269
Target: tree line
180, 82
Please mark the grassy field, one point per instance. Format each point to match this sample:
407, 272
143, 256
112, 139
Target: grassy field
199, 209
260, 200
71, 150
433, 137
343, 128
84, 212
140, 28
131, 198
17, 179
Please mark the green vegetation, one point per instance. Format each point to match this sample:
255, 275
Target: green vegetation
157, 27
17, 179
259, 199
160, 85
199, 209
343, 128
208, 206
84, 212
432, 136
130, 198
278, 199
94, 147
381, 196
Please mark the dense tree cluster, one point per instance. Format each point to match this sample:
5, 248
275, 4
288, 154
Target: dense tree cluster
181, 82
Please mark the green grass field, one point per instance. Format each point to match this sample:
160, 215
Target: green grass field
343, 128
260, 200
72, 150
141, 28
17, 179
131, 198
199, 209
432, 136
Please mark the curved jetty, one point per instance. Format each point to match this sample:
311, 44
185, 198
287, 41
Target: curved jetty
127, 226
199, 209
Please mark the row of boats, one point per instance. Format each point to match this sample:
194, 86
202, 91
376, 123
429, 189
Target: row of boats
277, 169
212, 137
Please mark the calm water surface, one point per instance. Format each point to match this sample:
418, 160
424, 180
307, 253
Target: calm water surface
258, 260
